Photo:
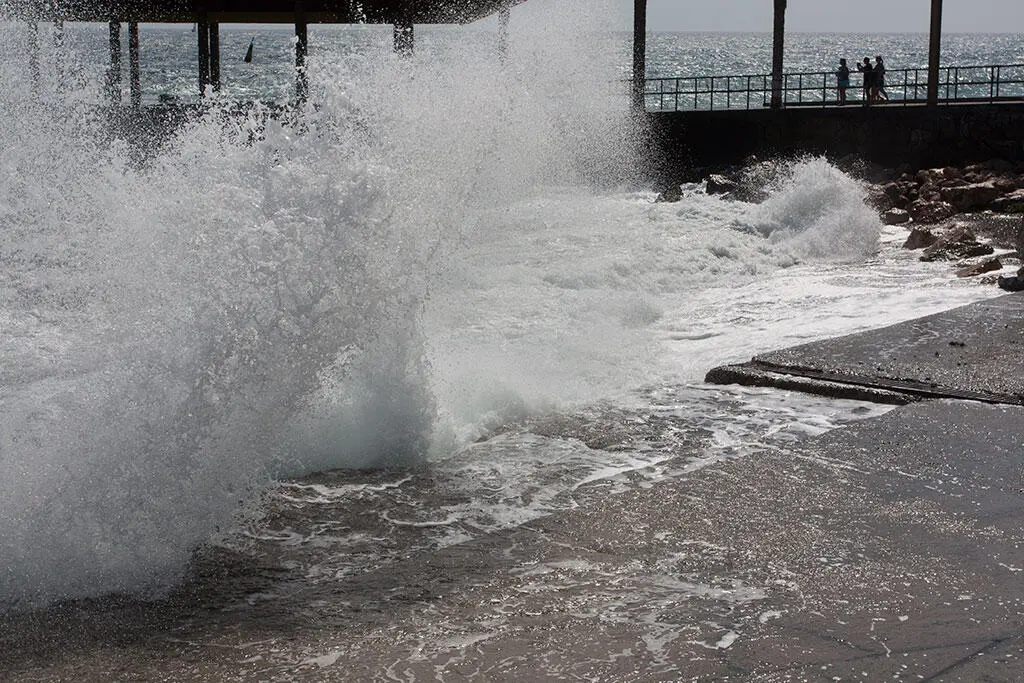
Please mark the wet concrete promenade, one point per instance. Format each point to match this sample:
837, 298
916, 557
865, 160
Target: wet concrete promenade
889, 550
974, 352
918, 516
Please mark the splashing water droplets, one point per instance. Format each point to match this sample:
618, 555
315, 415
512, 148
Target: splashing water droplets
243, 301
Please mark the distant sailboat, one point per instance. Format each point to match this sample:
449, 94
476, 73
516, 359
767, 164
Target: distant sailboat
248, 53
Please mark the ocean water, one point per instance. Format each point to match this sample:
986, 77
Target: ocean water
168, 66
672, 55
437, 305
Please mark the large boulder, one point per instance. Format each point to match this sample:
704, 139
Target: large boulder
956, 244
755, 180
1008, 183
896, 217
920, 238
980, 268
749, 184
877, 199
719, 184
928, 212
1010, 203
930, 176
1014, 283
899, 193
971, 197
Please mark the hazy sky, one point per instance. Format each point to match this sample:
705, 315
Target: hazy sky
882, 16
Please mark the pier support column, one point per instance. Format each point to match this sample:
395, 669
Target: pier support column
114, 73
405, 40
639, 55
135, 85
301, 49
208, 35
778, 53
934, 53
504, 17
34, 73
203, 36
58, 54
215, 56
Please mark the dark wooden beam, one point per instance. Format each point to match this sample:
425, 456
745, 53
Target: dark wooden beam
203, 38
215, 56
135, 83
639, 54
114, 72
934, 53
504, 19
260, 11
778, 53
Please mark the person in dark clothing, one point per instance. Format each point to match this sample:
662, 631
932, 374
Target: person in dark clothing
869, 79
880, 93
842, 80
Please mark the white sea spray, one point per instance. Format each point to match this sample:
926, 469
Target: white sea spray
421, 260
246, 301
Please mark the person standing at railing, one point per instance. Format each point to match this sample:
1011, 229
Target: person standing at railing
880, 80
842, 80
869, 80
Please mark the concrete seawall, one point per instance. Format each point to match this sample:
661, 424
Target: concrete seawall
890, 135
968, 353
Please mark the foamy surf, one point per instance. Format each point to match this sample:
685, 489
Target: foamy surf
383, 284
241, 304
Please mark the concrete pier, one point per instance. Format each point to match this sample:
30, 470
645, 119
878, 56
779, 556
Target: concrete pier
207, 15
918, 135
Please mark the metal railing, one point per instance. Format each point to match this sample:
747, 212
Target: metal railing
993, 83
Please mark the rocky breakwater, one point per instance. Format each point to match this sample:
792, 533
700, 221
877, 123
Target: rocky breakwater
972, 217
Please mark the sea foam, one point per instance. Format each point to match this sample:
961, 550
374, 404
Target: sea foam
245, 301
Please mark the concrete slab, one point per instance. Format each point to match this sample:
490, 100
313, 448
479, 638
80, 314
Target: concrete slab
972, 352
892, 549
